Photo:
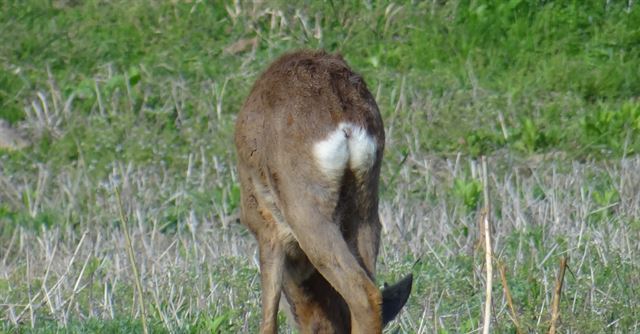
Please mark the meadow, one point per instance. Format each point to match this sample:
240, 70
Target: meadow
127, 108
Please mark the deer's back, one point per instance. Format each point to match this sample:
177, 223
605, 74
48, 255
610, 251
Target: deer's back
300, 99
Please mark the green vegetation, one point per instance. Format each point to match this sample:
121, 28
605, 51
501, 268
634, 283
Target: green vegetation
142, 95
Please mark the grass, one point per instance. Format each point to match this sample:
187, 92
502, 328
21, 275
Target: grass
143, 95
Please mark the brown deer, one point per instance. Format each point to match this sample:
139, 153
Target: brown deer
309, 140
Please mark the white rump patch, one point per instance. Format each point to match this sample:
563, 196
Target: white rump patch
347, 146
332, 153
362, 149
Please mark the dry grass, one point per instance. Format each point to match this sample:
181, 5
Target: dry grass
207, 265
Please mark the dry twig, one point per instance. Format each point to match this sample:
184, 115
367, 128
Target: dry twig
507, 293
487, 249
555, 313
129, 246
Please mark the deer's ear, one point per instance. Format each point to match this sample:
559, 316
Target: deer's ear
395, 297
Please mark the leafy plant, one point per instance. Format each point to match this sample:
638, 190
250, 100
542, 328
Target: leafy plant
468, 191
530, 137
614, 130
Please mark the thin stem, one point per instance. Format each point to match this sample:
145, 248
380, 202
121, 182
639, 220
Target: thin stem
132, 260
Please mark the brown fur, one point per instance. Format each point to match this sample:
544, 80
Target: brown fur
318, 238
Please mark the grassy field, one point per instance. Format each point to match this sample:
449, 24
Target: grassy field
128, 110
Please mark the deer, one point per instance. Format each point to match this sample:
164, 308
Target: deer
309, 141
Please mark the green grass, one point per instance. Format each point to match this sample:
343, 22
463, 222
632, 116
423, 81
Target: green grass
142, 95
546, 67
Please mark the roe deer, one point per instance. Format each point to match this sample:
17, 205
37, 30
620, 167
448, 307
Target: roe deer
309, 140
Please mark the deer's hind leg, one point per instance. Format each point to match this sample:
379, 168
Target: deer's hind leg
368, 239
271, 267
257, 216
321, 239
